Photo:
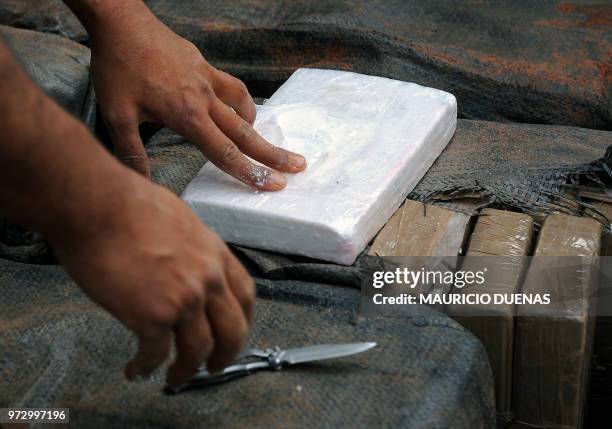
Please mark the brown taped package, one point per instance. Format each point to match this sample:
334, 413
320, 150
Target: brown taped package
554, 343
419, 230
422, 230
507, 236
606, 210
601, 374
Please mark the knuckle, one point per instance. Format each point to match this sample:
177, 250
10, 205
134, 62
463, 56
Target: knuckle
242, 90
207, 90
215, 287
162, 316
214, 284
229, 155
194, 52
190, 106
245, 131
130, 158
118, 121
137, 162
192, 296
247, 294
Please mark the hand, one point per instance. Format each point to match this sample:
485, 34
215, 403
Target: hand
143, 72
161, 272
131, 245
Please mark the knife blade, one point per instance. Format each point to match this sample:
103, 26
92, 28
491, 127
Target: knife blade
323, 351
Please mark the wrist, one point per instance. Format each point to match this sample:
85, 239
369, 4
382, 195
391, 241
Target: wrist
103, 17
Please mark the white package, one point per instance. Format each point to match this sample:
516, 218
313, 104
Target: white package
367, 140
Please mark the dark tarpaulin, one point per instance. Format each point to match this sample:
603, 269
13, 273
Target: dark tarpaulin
528, 61
60, 350
58, 65
546, 61
49, 16
532, 168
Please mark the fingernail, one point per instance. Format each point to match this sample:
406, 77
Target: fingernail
297, 161
277, 179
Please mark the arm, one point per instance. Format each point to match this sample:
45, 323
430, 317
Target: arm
42, 172
143, 72
131, 245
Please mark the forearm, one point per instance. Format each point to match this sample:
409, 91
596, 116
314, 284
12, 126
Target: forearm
53, 174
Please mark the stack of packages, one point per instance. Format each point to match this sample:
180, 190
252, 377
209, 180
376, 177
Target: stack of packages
499, 244
540, 355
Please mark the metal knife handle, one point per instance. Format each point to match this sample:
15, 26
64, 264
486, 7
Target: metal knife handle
212, 379
252, 352
203, 378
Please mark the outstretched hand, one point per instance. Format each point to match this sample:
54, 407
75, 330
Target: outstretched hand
144, 72
166, 277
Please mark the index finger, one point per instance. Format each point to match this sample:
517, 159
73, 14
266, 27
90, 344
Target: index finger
222, 152
252, 144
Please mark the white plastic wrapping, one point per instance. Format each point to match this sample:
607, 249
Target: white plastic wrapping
367, 140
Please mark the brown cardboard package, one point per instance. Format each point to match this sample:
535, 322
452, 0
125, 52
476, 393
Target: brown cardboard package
600, 389
500, 242
606, 210
554, 342
435, 234
416, 229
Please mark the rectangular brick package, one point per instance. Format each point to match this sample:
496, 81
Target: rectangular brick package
554, 343
500, 239
367, 140
416, 229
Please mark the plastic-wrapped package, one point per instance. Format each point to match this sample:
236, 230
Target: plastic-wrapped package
419, 230
606, 210
421, 236
500, 242
368, 141
554, 342
601, 373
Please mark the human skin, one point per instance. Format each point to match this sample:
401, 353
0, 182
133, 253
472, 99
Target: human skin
143, 72
131, 245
